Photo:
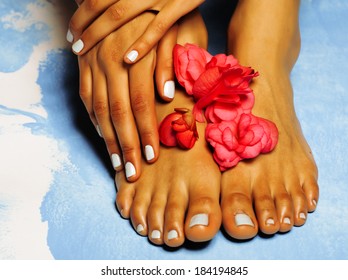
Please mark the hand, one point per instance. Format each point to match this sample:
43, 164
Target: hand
120, 98
94, 20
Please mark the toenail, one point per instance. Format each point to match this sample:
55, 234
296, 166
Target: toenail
130, 169
78, 46
302, 216
155, 234
172, 234
199, 220
149, 153
314, 202
243, 220
69, 36
287, 221
169, 89
270, 222
99, 131
116, 161
140, 228
132, 55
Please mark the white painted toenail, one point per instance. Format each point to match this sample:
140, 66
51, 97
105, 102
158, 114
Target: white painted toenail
132, 55
169, 89
130, 169
287, 221
314, 202
99, 131
116, 161
69, 36
302, 216
155, 234
172, 234
199, 220
270, 222
243, 220
78, 46
149, 153
140, 228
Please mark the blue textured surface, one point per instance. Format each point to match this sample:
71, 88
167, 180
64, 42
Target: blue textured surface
78, 206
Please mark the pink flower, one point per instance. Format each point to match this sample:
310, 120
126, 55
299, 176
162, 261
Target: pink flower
179, 129
233, 141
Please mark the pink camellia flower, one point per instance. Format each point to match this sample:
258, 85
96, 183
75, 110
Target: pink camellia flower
178, 129
233, 141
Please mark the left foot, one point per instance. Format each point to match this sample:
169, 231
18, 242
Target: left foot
275, 191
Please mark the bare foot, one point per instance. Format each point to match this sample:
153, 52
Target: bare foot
275, 191
176, 197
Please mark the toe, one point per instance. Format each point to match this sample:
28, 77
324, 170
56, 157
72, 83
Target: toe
203, 218
311, 190
238, 216
155, 218
300, 206
125, 195
284, 207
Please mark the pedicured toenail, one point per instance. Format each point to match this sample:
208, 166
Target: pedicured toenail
199, 220
155, 234
69, 36
287, 221
116, 161
243, 220
149, 153
130, 170
270, 222
78, 46
132, 55
172, 234
140, 228
169, 89
302, 216
314, 202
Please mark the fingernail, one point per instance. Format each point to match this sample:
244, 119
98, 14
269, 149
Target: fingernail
78, 46
155, 234
270, 221
243, 220
172, 234
130, 169
199, 220
149, 153
69, 36
116, 161
287, 221
169, 89
302, 216
132, 55
99, 131
140, 228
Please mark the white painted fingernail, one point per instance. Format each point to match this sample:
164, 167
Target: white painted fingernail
149, 153
78, 46
172, 234
287, 221
69, 36
116, 161
130, 169
132, 55
99, 131
155, 234
302, 216
140, 228
169, 89
243, 220
199, 220
270, 221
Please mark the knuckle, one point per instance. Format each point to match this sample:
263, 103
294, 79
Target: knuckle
160, 26
117, 110
100, 108
127, 149
116, 11
91, 5
139, 103
110, 143
84, 93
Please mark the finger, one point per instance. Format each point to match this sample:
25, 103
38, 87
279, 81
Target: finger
87, 12
164, 72
143, 105
158, 27
113, 18
124, 123
101, 111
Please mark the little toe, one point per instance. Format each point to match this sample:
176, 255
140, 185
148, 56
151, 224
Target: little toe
311, 190
300, 206
238, 216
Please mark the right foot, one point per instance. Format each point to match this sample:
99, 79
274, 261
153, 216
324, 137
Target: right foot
177, 197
